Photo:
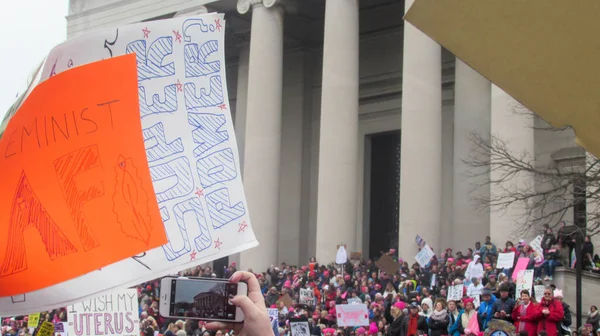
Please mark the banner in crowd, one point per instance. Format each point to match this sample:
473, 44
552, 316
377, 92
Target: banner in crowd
307, 297
424, 256
273, 314
62, 177
505, 260
33, 320
46, 329
536, 245
190, 149
455, 293
299, 327
524, 281
538, 291
352, 315
111, 314
521, 265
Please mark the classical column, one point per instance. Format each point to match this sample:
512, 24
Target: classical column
421, 141
512, 124
472, 117
262, 150
241, 100
338, 143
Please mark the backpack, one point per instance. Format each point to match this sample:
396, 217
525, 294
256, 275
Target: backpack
563, 326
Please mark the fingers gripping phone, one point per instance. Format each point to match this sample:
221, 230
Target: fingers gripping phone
200, 299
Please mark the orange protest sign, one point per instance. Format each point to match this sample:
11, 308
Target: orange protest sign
76, 189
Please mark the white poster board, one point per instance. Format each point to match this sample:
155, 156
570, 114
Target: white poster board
273, 314
455, 293
352, 315
113, 314
539, 292
536, 245
524, 281
307, 297
505, 260
424, 256
299, 328
476, 300
190, 146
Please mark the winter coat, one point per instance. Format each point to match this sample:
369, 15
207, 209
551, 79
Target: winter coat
529, 320
549, 322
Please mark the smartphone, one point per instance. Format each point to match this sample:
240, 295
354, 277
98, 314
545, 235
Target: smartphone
201, 299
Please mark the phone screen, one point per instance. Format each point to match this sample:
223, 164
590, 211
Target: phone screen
198, 298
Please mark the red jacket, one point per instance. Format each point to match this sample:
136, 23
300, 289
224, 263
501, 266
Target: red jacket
548, 322
529, 320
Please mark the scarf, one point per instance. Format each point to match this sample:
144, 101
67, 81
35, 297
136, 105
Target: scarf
523, 314
439, 315
412, 324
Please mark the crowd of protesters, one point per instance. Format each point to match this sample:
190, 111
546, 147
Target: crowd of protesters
409, 302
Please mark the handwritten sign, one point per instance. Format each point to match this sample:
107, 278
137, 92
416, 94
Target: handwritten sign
33, 320
307, 297
505, 260
536, 244
47, 329
190, 147
109, 314
273, 314
77, 190
524, 280
352, 315
420, 241
299, 327
521, 265
455, 293
538, 290
424, 256
476, 300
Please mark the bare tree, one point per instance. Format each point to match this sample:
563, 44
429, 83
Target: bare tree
553, 189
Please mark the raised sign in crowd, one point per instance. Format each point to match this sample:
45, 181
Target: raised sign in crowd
453, 293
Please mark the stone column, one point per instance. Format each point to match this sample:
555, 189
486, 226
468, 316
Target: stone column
512, 124
338, 143
241, 101
262, 150
472, 117
421, 141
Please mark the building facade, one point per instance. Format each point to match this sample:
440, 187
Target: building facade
353, 126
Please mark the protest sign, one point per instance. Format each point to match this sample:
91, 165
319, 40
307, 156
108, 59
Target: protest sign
352, 315
299, 327
424, 256
115, 313
307, 297
476, 300
33, 320
455, 293
521, 265
46, 329
59, 327
536, 245
68, 158
420, 241
387, 264
505, 260
190, 148
524, 280
273, 314
538, 291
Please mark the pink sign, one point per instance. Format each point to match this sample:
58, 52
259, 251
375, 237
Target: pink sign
352, 315
521, 265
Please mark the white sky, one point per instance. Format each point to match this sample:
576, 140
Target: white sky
30, 28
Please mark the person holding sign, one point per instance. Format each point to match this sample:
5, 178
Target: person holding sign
549, 313
524, 314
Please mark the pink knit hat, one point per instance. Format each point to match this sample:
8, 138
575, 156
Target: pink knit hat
373, 329
361, 332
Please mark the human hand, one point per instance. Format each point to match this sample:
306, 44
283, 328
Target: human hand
545, 312
256, 322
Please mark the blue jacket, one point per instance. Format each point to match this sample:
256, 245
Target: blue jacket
486, 307
453, 329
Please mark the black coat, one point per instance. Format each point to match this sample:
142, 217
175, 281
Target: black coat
421, 324
396, 327
438, 328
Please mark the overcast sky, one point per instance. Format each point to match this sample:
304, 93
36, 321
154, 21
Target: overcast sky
30, 29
